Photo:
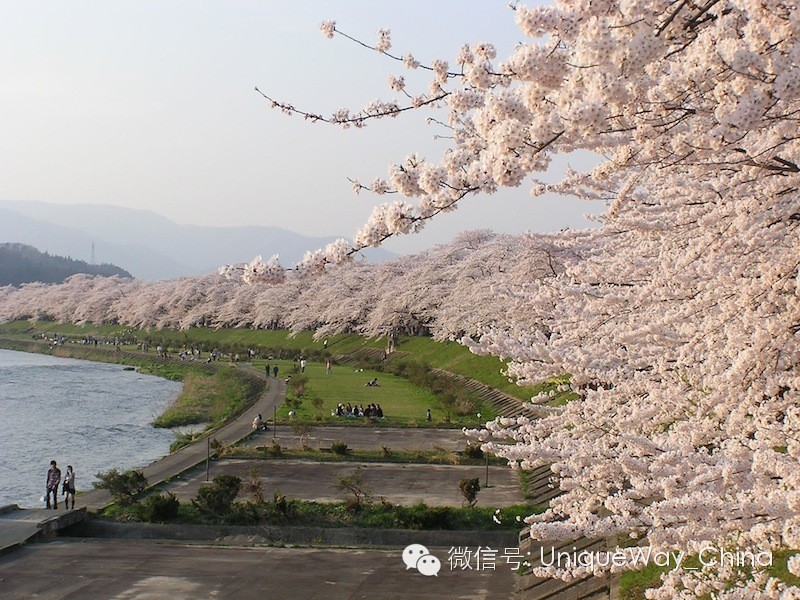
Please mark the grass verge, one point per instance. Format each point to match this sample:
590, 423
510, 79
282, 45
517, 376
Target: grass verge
634, 583
377, 515
210, 398
387, 455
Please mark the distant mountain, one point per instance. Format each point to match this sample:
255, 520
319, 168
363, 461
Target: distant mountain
147, 244
20, 263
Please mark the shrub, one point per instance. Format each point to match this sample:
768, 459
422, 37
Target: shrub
184, 439
244, 513
465, 405
254, 486
158, 508
339, 447
473, 451
218, 497
297, 385
318, 403
282, 505
353, 483
303, 432
123, 487
469, 488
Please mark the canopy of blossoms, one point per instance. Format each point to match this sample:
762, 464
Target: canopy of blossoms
679, 319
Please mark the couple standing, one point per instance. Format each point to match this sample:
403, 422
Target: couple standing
68, 487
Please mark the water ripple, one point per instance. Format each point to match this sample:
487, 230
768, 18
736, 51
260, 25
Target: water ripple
94, 416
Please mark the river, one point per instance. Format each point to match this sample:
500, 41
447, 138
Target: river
93, 416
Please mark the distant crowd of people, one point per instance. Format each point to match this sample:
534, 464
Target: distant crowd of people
373, 411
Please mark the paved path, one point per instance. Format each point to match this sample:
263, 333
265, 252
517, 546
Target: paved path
126, 570
436, 485
20, 526
195, 454
366, 438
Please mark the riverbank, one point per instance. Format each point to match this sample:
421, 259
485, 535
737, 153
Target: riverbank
211, 393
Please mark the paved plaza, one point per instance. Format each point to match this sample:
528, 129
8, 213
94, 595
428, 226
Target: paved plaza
125, 570
365, 438
436, 485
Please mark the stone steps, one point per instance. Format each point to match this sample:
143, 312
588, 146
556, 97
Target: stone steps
535, 588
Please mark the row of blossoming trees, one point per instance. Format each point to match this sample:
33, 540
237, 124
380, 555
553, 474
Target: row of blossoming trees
678, 318
450, 291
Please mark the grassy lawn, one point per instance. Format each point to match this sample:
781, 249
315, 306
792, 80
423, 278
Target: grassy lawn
403, 403
207, 398
453, 357
449, 356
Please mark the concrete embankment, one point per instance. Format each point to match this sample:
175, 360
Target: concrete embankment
20, 526
348, 537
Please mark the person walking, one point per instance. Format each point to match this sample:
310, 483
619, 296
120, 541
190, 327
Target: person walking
69, 487
53, 479
275, 371
267, 370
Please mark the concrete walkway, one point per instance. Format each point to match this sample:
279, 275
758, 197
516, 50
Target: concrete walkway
436, 485
105, 569
365, 438
19, 526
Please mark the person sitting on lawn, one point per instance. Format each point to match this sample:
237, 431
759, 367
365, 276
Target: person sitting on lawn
372, 382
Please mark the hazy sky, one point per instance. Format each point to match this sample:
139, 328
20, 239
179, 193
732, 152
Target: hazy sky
151, 105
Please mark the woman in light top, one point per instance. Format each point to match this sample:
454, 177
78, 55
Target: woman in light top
68, 488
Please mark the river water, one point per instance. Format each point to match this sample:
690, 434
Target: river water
93, 416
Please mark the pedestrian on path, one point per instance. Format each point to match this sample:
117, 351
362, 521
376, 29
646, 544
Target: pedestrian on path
275, 371
69, 487
258, 421
267, 369
53, 479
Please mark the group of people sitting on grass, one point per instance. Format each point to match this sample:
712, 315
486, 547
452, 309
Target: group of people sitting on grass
373, 411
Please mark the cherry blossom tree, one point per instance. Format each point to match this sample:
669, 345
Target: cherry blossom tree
678, 320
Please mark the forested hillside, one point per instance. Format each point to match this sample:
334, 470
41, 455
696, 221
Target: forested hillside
20, 263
